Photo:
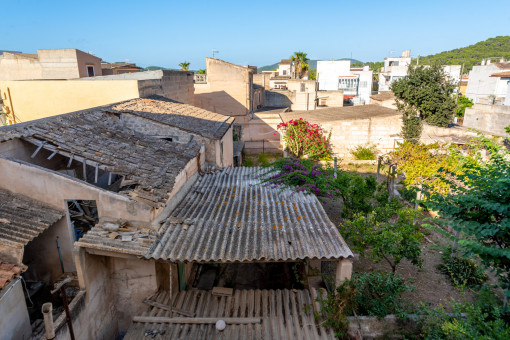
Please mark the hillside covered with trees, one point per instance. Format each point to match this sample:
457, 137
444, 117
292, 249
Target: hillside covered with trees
471, 55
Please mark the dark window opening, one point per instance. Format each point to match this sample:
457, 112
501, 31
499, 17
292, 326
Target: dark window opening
90, 71
83, 216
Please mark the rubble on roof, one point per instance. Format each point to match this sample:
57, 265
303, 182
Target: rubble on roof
22, 219
120, 236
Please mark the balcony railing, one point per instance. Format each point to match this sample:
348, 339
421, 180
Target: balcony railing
200, 78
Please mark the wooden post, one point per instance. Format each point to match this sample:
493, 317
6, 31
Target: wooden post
378, 168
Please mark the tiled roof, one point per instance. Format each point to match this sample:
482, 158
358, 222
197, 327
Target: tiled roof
503, 66
284, 314
8, 272
23, 219
385, 95
229, 217
505, 74
97, 136
183, 116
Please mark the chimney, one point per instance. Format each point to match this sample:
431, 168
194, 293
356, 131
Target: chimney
483, 62
406, 53
366, 68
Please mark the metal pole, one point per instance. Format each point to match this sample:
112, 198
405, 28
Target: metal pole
335, 167
60, 286
60, 257
378, 168
68, 313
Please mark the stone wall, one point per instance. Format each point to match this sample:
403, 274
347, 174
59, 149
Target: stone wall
488, 118
279, 98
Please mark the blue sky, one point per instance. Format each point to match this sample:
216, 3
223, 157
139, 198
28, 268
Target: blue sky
165, 33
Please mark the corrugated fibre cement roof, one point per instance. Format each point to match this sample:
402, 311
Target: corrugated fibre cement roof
231, 217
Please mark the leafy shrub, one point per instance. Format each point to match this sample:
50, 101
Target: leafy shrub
462, 103
357, 192
336, 307
379, 294
367, 294
263, 161
421, 164
364, 152
463, 272
468, 321
303, 138
389, 232
301, 175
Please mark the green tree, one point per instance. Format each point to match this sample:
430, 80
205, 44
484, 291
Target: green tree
462, 103
427, 92
478, 207
312, 74
202, 71
184, 66
390, 234
300, 60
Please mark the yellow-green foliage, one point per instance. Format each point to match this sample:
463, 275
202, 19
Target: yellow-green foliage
421, 164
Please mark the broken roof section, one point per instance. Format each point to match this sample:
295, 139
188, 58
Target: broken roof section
96, 137
183, 116
284, 314
8, 272
231, 217
22, 219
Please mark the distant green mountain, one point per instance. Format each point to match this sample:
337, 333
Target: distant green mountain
473, 54
312, 63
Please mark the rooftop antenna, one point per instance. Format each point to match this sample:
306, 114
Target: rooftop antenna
391, 53
214, 51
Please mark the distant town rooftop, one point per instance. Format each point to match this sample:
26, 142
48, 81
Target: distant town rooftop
340, 113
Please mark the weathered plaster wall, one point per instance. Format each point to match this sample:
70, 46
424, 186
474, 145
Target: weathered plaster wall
14, 320
83, 60
132, 281
488, 118
262, 79
47, 268
228, 90
100, 312
54, 189
44, 98
227, 144
333, 98
14, 66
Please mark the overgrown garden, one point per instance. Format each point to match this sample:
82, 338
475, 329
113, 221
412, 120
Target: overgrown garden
463, 198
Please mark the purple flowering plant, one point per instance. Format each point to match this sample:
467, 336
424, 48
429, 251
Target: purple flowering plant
302, 175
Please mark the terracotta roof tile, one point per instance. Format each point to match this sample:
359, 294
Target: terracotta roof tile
9, 271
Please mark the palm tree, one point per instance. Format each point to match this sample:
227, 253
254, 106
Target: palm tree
300, 63
202, 71
184, 66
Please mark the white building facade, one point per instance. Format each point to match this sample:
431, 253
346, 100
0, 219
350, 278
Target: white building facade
394, 68
489, 80
356, 83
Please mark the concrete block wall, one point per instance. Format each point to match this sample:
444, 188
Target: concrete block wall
488, 118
